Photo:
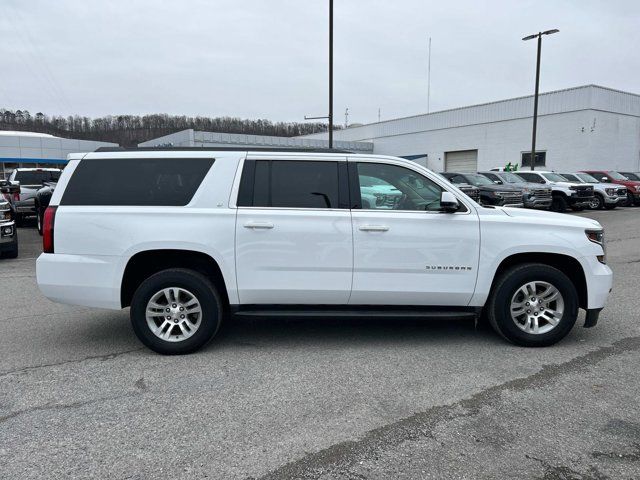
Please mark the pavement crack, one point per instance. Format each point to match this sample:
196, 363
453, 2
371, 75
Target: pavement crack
104, 357
341, 456
64, 406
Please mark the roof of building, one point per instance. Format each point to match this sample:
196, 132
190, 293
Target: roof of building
19, 133
586, 97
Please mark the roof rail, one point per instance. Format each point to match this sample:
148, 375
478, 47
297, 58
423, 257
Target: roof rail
221, 149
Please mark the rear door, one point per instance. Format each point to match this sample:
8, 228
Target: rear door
406, 251
293, 231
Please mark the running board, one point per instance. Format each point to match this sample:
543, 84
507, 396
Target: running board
369, 312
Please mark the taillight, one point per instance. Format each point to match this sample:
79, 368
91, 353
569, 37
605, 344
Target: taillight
48, 223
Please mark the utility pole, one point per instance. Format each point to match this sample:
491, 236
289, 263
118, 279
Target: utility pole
429, 79
346, 117
330, 73
535, 96
378, 115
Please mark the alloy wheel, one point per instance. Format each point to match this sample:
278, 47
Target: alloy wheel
537, 307
173, 314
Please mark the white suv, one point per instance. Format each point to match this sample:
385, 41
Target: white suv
189, 237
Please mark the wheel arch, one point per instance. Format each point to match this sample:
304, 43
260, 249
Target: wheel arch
147, 262
567, 264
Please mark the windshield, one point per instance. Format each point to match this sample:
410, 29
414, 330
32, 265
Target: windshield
511, 178
478, 180
571, 177
587, 178
36, 177
553, 177
617, 176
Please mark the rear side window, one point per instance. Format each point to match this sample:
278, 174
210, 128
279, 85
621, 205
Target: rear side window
136, 181
36, 177
292, 184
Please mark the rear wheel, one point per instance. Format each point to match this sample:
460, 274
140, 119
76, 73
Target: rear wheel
533, 305
176, 311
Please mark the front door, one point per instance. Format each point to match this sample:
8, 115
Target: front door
405, 250
293, 232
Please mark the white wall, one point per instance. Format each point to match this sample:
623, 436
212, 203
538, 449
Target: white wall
570, 140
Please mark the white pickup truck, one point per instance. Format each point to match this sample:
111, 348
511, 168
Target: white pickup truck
189, 237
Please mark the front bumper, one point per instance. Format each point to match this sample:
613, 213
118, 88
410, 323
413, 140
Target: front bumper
599, 279
612, 200
579, 201
542, 203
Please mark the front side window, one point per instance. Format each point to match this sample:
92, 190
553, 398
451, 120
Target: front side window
289, 184
390, 187
492, 176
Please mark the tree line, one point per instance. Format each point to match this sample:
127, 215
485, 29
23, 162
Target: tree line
129, 130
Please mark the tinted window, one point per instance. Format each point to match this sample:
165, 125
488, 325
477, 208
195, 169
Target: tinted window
389, 187
570, 177
289, 184
136, 181
36, 177
492, 176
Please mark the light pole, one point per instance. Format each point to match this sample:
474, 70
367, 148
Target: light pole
330, 116
535, 97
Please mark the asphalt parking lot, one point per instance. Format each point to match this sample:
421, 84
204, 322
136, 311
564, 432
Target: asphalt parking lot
345, 399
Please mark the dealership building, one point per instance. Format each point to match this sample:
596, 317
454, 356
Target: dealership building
587, 127
30, 149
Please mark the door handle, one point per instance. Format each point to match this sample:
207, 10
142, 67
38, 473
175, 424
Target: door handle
266, 225
374, 228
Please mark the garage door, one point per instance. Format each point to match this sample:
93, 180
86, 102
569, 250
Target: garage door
462, 161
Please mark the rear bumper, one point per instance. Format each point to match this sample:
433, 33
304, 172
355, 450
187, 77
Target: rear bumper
25, 207
79, 279
8, 235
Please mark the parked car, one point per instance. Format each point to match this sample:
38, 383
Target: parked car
490, 193
606, 195
635, 176
533, 195
188, 238
29, 180
41, 202
8, 231
565, 194
632, 186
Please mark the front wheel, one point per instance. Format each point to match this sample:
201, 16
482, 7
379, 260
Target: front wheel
39, 220
629, 201
559, 204
533, 305
597, 202
176, 311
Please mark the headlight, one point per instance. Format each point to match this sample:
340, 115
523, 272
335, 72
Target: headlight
610, 191
637, 188
597, 236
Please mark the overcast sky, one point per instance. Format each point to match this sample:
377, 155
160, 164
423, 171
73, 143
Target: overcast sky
268, 58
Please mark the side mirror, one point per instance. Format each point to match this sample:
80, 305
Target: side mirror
448, 202
604, 179
498, 182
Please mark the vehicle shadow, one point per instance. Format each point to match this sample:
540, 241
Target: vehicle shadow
344, 331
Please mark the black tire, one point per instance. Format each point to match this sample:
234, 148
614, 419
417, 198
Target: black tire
505, 288
19, 219
201, 288
559, 204
597, 203
629, 201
